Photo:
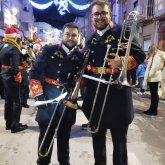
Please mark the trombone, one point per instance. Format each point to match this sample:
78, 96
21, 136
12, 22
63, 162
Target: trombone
47, 150
128, 27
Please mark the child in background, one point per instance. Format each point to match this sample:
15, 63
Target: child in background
140, 74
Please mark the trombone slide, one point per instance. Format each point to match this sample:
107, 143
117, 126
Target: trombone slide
95, 79
57, 99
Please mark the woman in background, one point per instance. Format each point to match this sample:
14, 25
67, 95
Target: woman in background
153, 77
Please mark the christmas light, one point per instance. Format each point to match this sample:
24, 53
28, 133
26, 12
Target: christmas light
41, 6
50, 32
61, 4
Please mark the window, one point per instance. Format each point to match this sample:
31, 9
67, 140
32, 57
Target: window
25, 6
147, 43
135, 5
25, 26
41, 30
150, 8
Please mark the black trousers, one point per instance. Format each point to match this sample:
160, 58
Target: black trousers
1, 88
63, 136
24, 94
13, 105
119, 139
153, 86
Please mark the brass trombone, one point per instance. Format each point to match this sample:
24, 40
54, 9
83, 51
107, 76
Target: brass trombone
128, 27
47, 150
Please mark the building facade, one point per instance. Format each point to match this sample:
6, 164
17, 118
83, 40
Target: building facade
151, 20
17, 13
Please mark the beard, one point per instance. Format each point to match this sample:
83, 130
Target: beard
103, 25
69, 47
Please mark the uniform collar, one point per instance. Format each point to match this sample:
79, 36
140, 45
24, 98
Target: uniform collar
65, 49
101, 32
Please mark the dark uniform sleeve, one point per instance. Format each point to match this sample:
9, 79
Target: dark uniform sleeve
36, 74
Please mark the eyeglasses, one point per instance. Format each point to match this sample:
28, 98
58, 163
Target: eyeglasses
102, 14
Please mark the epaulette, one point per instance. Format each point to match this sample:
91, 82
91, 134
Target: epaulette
48, 50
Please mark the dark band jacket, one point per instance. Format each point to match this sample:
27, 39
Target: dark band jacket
55, 67
118, 109
98, 46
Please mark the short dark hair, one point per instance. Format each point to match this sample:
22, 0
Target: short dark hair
70, 25
100, 3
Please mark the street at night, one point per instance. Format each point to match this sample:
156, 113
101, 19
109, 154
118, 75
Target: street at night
146, 140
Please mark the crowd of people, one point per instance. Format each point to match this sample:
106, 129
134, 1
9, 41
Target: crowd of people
55, 70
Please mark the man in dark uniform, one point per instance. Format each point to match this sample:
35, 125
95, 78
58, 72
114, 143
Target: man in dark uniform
1, 86
118, 111
11, 77
54, 69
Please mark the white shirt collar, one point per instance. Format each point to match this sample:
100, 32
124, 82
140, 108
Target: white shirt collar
65, 49
101, 32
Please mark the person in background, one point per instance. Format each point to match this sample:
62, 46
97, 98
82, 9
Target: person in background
53, 71
140, 74
10, 59
118, 112
163, 82
1, 86
152, 77
25, 79
1, 83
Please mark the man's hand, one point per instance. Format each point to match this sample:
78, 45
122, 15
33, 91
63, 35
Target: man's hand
116, 62
18, 77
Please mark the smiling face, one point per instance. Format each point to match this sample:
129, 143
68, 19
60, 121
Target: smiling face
101, 16
70, 37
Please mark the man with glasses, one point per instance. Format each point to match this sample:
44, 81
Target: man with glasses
118, 112
55, 69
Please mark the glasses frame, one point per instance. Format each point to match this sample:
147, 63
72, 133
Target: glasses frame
102, 14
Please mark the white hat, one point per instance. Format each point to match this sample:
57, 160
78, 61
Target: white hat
11, 32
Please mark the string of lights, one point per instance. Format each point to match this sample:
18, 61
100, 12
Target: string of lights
61, 4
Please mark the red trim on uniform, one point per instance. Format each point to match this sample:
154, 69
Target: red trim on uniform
131, 63
51, 81
101, 70
36, 87
9, 67
6, 67
18, 77
20, 67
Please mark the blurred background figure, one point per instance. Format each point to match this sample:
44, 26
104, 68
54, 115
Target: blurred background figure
140, 74
10, 59
163, 80
152, 77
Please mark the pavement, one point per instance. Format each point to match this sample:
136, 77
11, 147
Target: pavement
146, 139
